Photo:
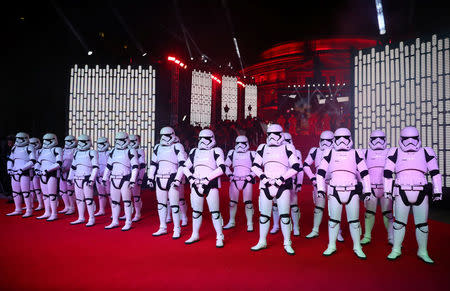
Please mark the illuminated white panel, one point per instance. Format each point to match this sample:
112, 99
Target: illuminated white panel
104, 100
412, 81
201, 94
251, 100
229, 98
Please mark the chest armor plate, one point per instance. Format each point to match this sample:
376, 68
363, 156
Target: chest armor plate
167, 153
242, 159
275, 154
319, 157
343, 161
47, 155
120, 156
205, 158
82, 158
21, 154
376, 158
411, 161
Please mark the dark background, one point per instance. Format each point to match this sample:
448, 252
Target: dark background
41, 48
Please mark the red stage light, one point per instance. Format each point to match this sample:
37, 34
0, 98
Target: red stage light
216, 79
242, 84
171, 58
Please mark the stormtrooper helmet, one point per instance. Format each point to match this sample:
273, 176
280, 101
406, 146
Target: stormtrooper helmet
121, 141
326, 140
135, 141
102, 144
242, 145
343, 139
35, 142
275, 135
206, 139
409, 139
22, 139
287, 138
167, 136
377, 140
84, 142
49, 141
70, 142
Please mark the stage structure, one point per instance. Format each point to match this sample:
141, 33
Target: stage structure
229, 98
201, 94
251, 101
405, 84
105, 100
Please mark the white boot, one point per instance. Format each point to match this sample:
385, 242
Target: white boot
369, 221
176, 233
263, 231
295, 213
219, 240
196, 223
288, 248
115, 209
422, 241
53, 207
249, 214
81, 206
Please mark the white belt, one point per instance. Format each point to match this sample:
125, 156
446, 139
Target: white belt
344, 188
410, 187
163, 176
377, 186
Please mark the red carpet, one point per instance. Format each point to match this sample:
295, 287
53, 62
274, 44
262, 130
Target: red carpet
38, 255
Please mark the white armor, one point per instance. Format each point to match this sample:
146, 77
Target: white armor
20, 162
296, 187
315, 156
35, 184
203, 168
167, 157
66, 188
241, 179
410, 163
275, 164
183, 205
122, 170
102, 190
83, 172
344, 165
375, 158
47, 167
135, 143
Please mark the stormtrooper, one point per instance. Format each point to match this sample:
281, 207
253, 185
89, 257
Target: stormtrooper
315, 156
275, 164
83, 172
203, 168
296, 187
167, 157
135, 143
410, 162
47, 167
375, 158
35, 184
66, 188
344, 165
241, 179
122, 171
182, 204
19, 165
103, 190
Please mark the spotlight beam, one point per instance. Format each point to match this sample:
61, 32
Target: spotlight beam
183, 28
71, 27
127, 30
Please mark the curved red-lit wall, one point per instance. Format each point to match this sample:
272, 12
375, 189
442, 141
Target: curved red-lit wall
289, 68
302, 63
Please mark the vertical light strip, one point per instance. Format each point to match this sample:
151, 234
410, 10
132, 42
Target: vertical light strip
105, 100
406, 84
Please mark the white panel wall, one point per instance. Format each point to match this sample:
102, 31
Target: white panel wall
105, 100
405, 85
201, 93
229, 98
251, 98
